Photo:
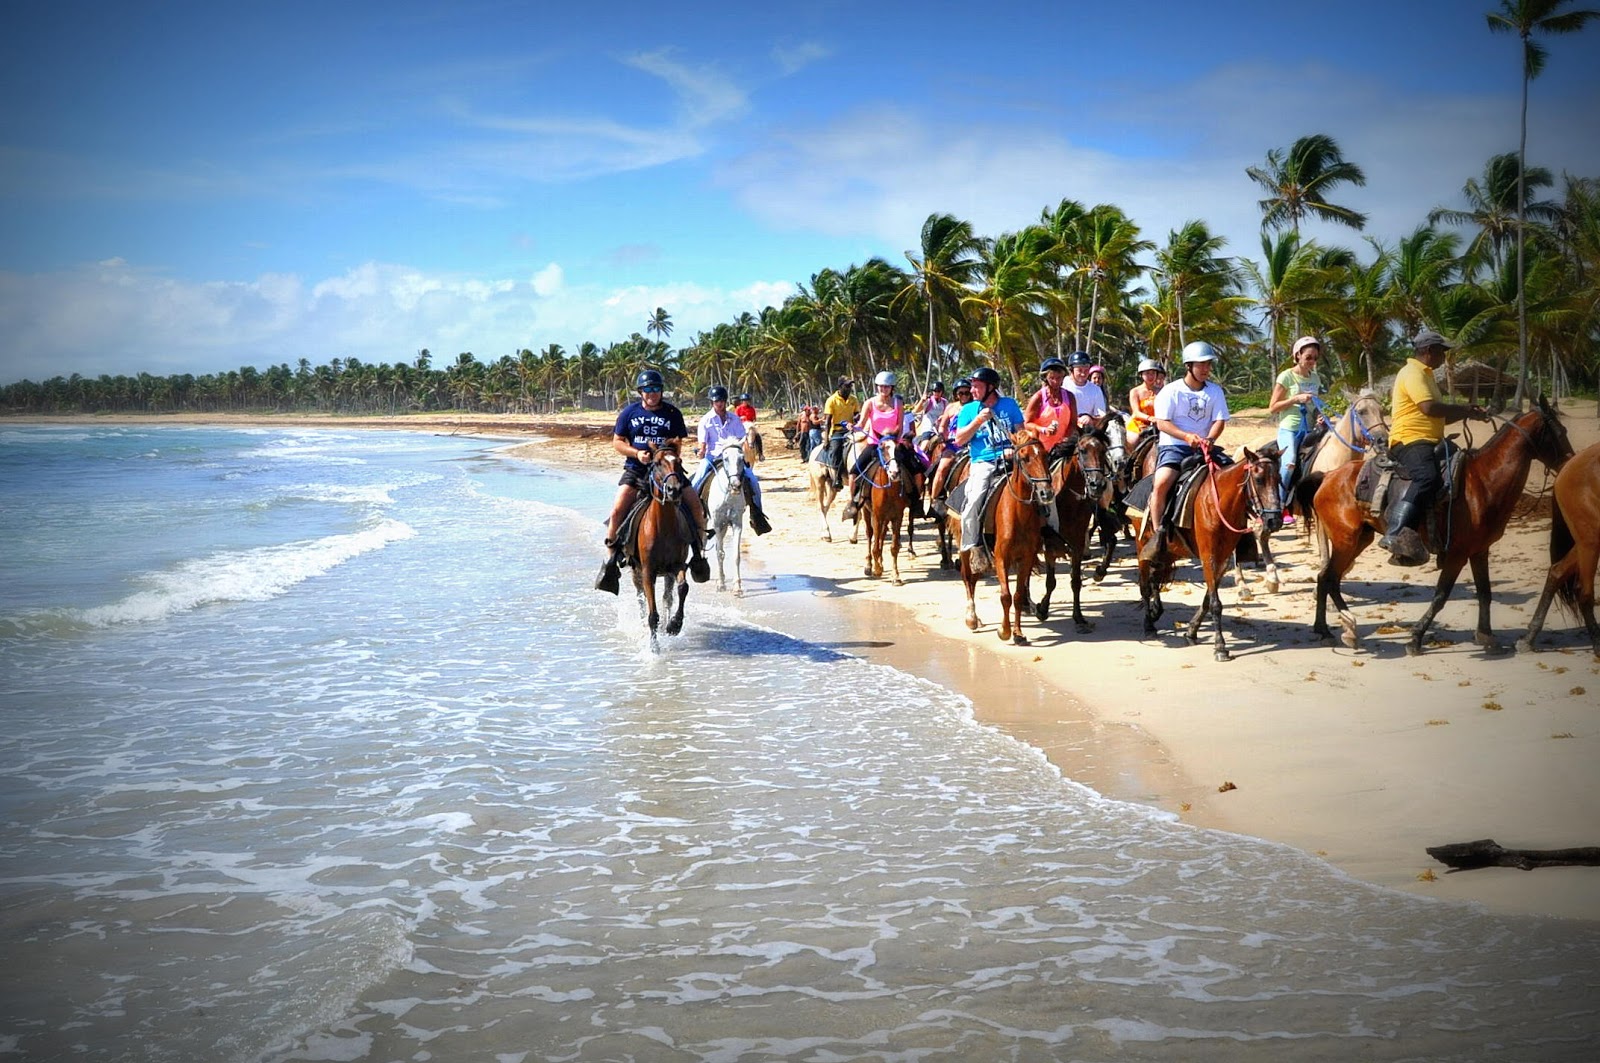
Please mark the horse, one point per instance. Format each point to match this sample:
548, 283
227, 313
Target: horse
1476, 515
883, 504
659, 546
1574, 546
821, 474
725, 512
755, 448
1222, 510
1017, 504
1079, 482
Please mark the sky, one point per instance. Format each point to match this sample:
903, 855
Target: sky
192, 187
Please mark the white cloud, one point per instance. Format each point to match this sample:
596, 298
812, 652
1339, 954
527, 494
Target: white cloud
792, 58
114, 317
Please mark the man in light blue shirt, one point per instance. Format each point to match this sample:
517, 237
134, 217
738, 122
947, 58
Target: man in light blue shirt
984, 426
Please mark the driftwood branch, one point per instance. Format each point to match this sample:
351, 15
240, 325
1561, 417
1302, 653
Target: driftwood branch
1464, 856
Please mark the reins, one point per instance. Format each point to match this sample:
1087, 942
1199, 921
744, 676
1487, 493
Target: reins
1216, 496
1333, 425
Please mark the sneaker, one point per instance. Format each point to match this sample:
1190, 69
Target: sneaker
1288, 520
699, 568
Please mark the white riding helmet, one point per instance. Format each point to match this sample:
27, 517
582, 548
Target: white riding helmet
1199, 351
1148, 364
885, 379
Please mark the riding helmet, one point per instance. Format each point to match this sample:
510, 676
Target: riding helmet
1050, 363
1148, 364
987, 375
744, 397
885, 379
1077, 358
1199, 351
649, 378
718, 393
964, 382
937, 385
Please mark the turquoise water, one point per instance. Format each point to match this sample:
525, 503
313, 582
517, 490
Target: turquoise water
317, 746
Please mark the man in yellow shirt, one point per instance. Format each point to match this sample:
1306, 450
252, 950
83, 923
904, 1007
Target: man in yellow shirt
838, 414
1419, 414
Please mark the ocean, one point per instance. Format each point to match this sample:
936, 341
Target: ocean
317, 745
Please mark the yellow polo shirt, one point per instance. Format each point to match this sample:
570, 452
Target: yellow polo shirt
1412, 386
844, 411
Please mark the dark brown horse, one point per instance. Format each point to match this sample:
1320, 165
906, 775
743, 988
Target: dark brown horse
1079, 483
883, 504
659, 547
1492, 481
1222, 511
1017, 505
1574, 546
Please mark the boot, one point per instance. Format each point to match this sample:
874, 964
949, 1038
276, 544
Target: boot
978, 560
609, 578
854, 508
1152, 546
938, 508
1405, 546
758, 520
699, 567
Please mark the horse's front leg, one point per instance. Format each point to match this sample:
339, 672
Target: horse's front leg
1041, 610
1441, 594
722, 580
647, 587
1020, 601
1264, 544
1004, 576
1149, 598
675, 622
738, 560
1104, 566
1079, 621
894, 548
1484, 636
971, 583
1219, 649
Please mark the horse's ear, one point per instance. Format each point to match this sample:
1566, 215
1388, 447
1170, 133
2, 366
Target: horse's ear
1249, 457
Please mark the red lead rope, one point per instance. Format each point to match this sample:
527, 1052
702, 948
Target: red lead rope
1216, 498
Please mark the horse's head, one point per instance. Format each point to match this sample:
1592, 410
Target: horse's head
666, 477
1366, 414
1093, 453
1550, 441
731, 461
1263, 489
1031, 463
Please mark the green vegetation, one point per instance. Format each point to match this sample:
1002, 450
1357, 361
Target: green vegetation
1074, 280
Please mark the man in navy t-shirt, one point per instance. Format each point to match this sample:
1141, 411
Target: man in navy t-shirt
651, 421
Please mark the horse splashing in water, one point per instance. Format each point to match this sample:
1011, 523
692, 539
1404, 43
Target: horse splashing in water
1475, 517
725, 505
659, 549
1222, 511
1574, 546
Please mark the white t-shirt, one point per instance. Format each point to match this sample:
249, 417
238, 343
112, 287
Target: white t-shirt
1190, 410
932, 410
1088, 399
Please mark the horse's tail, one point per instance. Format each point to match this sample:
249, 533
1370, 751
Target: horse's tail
1304, 492
1561, 544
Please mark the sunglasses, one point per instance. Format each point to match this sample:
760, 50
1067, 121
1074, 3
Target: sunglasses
650, 391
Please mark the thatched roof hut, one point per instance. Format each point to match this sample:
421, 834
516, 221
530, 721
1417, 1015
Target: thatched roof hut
1475, 381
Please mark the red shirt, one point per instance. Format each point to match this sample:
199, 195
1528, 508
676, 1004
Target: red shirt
746, 412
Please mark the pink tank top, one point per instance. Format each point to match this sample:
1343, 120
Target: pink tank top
1055, 411
883, 422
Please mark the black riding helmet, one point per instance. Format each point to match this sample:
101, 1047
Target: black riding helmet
649, 378
718, 393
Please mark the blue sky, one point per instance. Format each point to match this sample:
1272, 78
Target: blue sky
192, 187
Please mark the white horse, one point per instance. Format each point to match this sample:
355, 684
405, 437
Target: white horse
725, 511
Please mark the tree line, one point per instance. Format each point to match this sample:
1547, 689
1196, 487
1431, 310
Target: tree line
1078, 278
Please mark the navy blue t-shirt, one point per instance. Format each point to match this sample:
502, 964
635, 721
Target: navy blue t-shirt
642, 427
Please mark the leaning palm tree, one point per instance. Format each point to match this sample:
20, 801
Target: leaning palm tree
1425, 267
1190, 265
1525, 18
1018, 298
1108, 244
1492, 205
1297, 182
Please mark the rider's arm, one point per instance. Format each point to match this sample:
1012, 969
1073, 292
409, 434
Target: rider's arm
1281, 399
1177, 433
624, 446
965, 433
1452, 411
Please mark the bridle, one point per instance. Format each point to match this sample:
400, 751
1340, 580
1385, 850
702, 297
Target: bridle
1039, 491
1255, 504
666, 479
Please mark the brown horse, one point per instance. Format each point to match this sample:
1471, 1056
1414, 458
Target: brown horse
659, 547
1017, 508
883, 504
1079, 483
1222, 512
1476, 517
1574, 546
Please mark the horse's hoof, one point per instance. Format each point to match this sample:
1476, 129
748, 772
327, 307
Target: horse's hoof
1272, 587
1325, 639
898, 582
1084, 627
972, 623
1223, 655
1041, 613
1488, 642
827, 538
1019, 640
1245, 595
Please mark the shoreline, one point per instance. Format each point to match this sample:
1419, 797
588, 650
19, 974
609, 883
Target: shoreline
1359, 758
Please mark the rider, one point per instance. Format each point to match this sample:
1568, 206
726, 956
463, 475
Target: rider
950, 450
931, 407
1420, 414
1296, 389
651, 421
745, 411
882, 417
1191, 412
1142, 399
1088, 398
1051, 407
986, 423
719, 430
838, 414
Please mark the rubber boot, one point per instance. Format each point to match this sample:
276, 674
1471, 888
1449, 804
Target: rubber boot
699, 567
1153, 545
1405, 546
758, 520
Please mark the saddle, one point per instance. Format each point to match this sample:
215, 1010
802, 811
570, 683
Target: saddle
1377, 489
628, 530
958, 500
1180, 503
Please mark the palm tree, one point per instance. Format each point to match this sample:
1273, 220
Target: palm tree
1492, 206
1425, 266
1018, 299
1294, 277
1525, 18
1298, 182
1108, 244
948, 269
1191, 267
659, 324
1366, 307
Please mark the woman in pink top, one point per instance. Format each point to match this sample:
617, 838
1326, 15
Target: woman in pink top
1051, 409
883, 417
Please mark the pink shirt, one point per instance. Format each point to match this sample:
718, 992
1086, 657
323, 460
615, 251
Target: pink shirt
882, 423
1057, 411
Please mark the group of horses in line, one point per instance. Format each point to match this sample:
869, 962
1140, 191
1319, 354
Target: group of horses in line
1087, 480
